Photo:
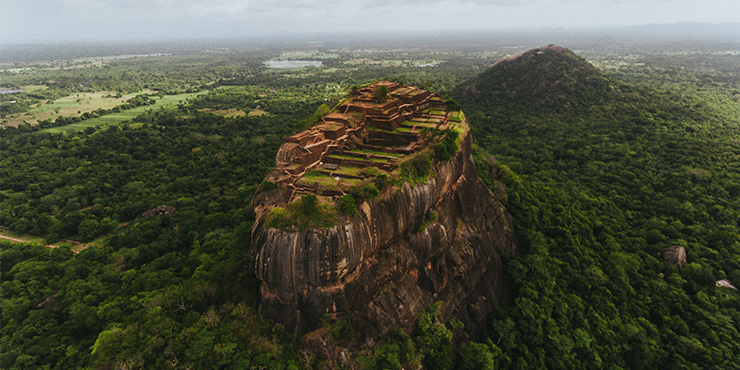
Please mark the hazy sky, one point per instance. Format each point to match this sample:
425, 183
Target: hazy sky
78, 20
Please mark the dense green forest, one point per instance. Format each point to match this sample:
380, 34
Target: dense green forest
609, 175
602, 172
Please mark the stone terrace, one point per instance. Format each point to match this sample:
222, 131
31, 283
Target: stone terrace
361, 138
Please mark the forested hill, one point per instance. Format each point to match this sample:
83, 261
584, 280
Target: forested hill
549, 79
609, 175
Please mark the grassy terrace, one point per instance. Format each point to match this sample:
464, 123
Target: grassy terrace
403, 130
422, 124
399, 130
324, 179
341, 156
426, 120
315, 176
376, 152
434, 112
327, 183
347, 170
456, 116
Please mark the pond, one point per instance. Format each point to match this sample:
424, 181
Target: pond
287, 64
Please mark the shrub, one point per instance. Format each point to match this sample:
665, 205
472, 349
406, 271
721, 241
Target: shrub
452, 105
445, 150
308, 204
268, 185
365, 191
430, 217
302, 215
279, 218
346, 205
416, 169
372, 171
380, 92
381, 181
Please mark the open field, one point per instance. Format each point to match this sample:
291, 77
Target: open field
257, 113
69, 106
166, 101
226, 112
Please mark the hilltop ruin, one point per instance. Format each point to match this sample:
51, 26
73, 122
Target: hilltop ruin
376, 212
363, 131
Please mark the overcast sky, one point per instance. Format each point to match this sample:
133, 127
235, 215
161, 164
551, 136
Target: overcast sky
83, 20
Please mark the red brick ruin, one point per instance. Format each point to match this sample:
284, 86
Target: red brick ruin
362, 131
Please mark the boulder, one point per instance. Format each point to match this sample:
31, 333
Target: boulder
159, 211
675, 255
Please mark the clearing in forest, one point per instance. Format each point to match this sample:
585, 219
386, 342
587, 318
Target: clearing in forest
69, 106
166, 101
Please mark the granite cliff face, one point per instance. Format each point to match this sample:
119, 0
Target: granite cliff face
409, 247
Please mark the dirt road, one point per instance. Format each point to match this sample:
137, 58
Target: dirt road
13, 239
52, 246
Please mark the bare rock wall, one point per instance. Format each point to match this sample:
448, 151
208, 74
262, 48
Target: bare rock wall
378, 271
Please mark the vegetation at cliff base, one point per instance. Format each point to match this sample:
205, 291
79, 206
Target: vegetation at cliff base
611, 175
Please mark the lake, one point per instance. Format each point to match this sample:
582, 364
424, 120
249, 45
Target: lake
286, 64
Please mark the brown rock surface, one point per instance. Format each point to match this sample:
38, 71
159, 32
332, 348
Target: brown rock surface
377, 270
675, 255
160, 211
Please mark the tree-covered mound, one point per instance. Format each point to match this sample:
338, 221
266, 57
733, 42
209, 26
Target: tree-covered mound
549, 79
603, 177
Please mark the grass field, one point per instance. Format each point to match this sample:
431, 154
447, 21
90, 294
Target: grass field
257, 113
69, 106
114, 118
226, 112
29, 88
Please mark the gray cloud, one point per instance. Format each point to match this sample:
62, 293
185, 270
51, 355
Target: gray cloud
76, 19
